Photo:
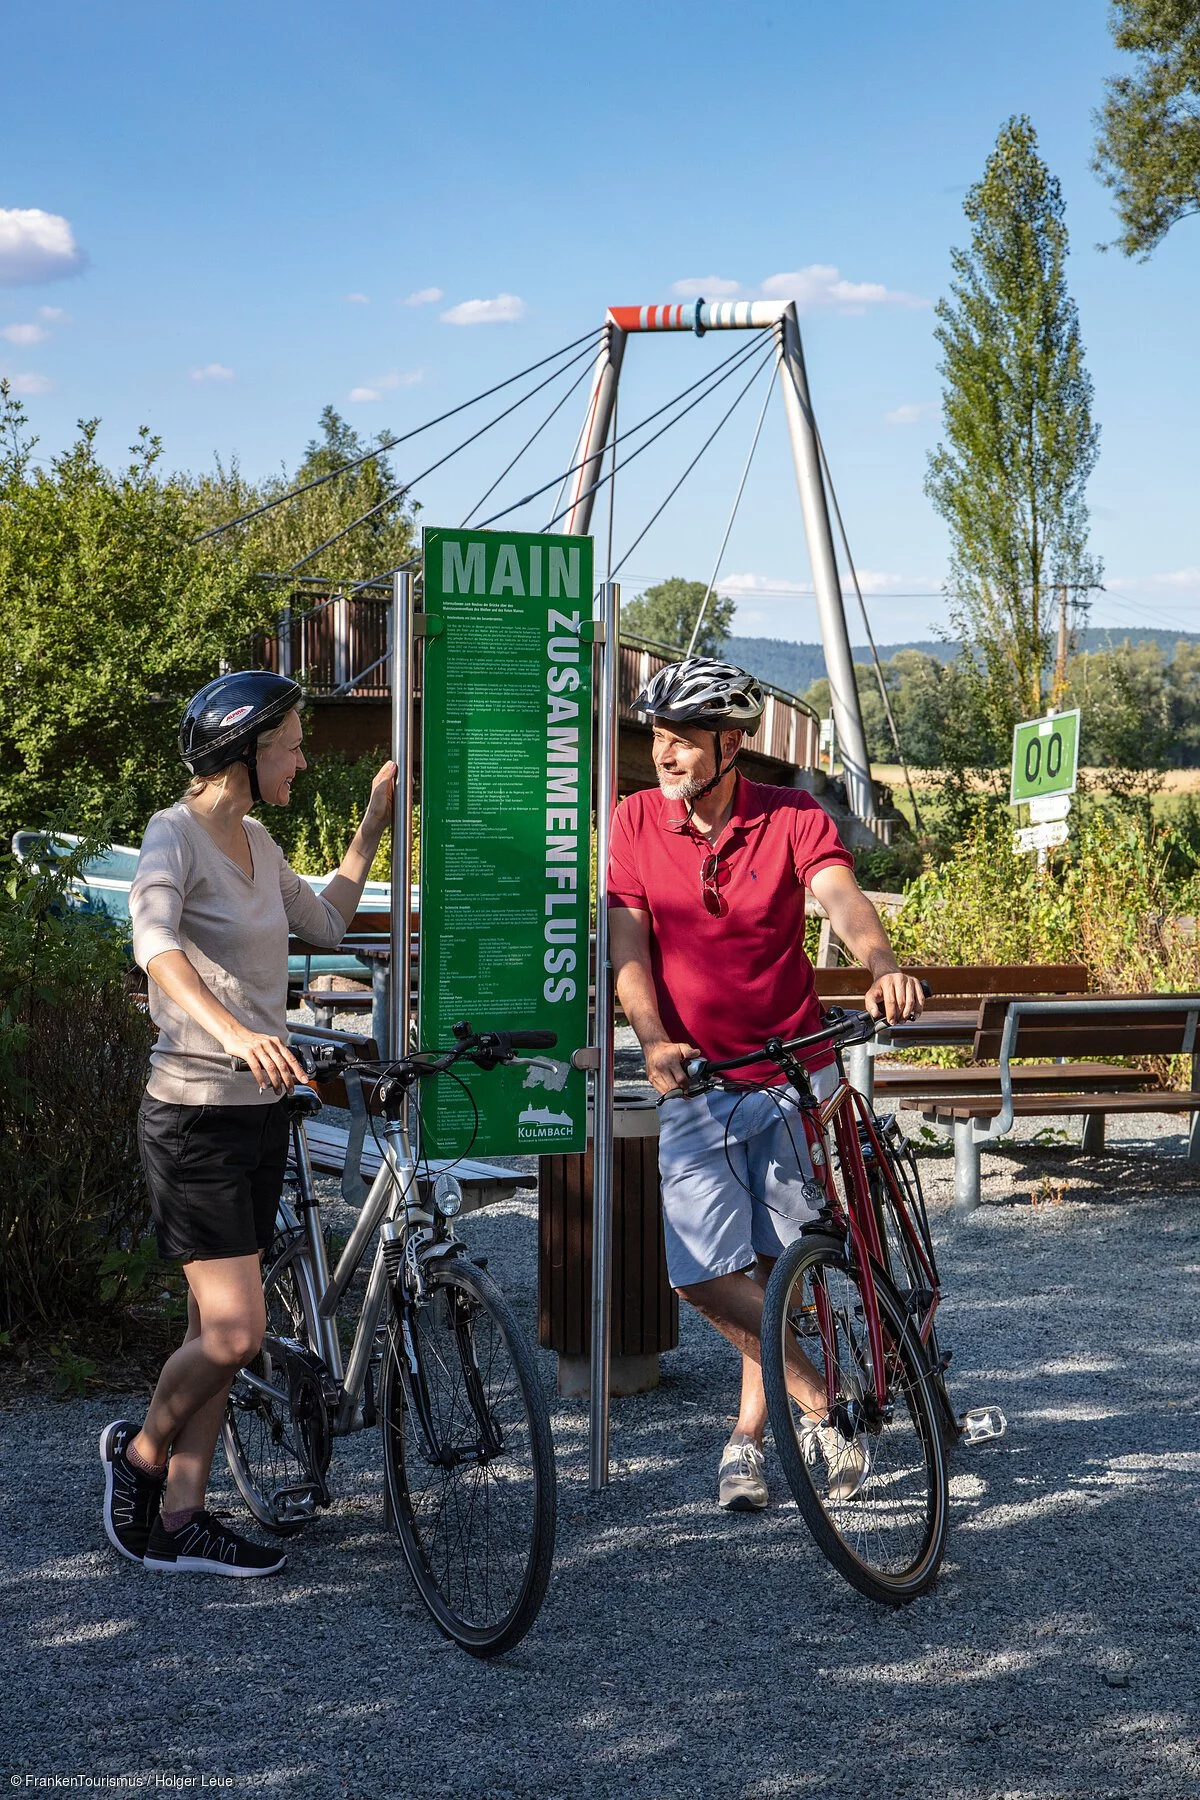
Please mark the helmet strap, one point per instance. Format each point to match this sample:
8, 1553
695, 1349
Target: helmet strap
250, 758
712, 782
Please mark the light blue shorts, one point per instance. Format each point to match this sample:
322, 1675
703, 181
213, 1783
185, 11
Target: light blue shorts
733, 1169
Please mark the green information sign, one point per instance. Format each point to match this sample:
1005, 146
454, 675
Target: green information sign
1045, 757
506, 831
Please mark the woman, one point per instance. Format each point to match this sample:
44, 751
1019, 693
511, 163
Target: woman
213, 903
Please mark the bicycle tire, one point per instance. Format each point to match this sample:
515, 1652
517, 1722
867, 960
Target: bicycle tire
889, 1538
267, 1449
445, 1524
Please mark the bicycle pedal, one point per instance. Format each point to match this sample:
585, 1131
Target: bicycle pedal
297, 1504
480, 1262
981, 1423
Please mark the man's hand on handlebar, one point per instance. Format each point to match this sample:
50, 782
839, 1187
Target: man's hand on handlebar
269, 1060
894, 997
666, 1065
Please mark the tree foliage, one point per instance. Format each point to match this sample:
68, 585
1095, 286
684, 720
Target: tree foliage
1148, 148
1019, 442
109, 618
667, 613
365, 511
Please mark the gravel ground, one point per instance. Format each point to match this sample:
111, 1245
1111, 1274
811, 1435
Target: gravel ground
682, 1651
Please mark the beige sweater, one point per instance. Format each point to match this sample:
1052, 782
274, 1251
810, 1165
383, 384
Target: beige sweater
188, 895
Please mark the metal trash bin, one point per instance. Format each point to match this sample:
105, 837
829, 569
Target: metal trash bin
645, 1310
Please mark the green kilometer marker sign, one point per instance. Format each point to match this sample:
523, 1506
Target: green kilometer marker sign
506, 787
1045, 757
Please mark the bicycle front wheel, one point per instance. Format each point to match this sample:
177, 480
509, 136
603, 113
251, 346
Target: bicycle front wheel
469, 1459
871, 1482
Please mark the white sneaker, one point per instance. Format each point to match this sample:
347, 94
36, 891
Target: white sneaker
847, 1460
741, 1478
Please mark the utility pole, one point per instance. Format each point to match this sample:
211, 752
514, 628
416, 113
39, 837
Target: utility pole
1058, 686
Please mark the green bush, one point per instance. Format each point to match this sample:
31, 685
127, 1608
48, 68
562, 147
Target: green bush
73, 1060
326, 809
1108, 900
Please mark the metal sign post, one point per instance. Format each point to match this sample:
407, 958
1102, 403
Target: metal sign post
608, 640
399, 993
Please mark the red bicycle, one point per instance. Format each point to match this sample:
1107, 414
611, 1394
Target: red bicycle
850, 1309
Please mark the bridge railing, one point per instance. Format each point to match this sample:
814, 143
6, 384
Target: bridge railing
336, 645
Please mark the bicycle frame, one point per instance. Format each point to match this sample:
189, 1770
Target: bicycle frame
847, 1111
393, 1196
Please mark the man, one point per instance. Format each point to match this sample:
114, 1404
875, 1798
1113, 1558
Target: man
706, 891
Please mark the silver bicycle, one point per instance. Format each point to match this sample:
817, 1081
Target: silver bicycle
437, 1358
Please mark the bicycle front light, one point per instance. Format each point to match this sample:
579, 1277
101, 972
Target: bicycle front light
448, 1195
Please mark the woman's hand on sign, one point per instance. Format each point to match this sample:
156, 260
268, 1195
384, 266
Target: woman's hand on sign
271, 1062
383, 798
666, 1065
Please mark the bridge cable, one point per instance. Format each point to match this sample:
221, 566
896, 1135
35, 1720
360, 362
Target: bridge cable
591, 338
715, 377
737, 500
397, 494
879, 676
721, 422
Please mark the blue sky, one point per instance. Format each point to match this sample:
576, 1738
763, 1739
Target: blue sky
254, 193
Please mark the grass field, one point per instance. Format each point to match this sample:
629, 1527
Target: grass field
1169, 781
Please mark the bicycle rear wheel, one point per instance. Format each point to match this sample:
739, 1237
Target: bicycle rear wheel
888, 1539
273, 1454
474, 1508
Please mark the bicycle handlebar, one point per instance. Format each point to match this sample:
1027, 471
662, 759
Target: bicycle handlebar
843, 1029
487, 1049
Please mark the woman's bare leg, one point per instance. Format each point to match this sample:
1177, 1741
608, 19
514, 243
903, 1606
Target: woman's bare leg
226, 1321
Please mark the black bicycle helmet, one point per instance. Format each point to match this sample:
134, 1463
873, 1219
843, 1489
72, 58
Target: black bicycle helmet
703, 691
224, 721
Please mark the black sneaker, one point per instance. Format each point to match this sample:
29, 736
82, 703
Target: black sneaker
131, 1499
205, 1547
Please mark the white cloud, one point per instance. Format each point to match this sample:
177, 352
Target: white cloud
821, 285
713, 287
212, 372
24, 334
54, 315
872, 581
1175, 578
911, 414
503, 310
359, 299
382, 384
29, 385
36, 246
424, 297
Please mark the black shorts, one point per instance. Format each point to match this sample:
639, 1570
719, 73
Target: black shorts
215, 1174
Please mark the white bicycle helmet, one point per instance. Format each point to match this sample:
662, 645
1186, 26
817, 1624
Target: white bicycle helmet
702, 691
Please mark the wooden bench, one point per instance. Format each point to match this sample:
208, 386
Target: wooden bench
950, 1018
1104, 1024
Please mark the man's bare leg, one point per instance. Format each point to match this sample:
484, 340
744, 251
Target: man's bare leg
734, 1303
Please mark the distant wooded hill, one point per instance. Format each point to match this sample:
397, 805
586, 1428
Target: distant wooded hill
795, 667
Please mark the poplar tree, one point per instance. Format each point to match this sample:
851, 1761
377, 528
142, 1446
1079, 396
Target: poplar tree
1018, 439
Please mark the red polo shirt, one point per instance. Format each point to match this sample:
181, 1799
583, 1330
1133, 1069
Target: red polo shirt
727, 984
